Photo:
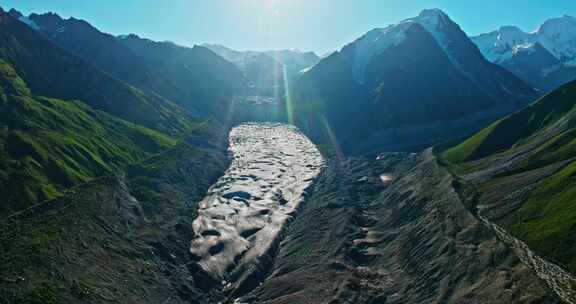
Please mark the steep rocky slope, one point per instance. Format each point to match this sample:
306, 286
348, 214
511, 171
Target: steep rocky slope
123, 238
199, 80
393, 230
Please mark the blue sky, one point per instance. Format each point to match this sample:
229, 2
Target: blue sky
318, 25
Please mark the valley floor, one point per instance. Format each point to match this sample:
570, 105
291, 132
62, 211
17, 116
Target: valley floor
280, 225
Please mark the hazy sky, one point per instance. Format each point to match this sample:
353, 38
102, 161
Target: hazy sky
318, 25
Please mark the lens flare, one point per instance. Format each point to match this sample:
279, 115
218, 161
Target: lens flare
332, 137
288, 96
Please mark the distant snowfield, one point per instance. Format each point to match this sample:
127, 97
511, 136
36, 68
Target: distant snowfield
244, 212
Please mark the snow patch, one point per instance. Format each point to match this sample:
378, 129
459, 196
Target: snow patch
29, 22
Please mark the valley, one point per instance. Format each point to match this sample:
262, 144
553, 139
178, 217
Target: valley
416, 164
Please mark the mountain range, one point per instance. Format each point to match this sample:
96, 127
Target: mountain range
268, 71
50, 144
162, 68
445, 167
409, 85
545, 58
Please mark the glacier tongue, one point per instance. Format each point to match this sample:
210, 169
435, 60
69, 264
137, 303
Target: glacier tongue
243, 213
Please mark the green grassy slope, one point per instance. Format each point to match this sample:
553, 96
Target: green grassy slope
49, 71
511, 130
116, 239
48, 145
63, 122
524, 169
547, 219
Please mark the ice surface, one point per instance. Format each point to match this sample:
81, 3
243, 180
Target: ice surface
246, 209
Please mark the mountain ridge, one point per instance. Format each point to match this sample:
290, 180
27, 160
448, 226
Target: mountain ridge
553, 48
371, 76
161, 74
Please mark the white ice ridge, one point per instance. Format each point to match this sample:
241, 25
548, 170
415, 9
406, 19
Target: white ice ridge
243, 213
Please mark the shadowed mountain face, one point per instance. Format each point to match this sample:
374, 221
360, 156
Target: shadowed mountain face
194, 78
50, 143
50, 71
409, 85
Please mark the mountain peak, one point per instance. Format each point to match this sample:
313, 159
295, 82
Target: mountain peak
433, 12
510, 29
15, 13
560, 24
431, 18
434, 21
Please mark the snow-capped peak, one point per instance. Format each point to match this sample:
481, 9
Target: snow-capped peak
512, 35
432, 16
435, 21
557, 36
376, 41
558, 25
432, 20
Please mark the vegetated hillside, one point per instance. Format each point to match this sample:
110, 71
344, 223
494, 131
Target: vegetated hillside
358, 239
63, 123
407, 86
50, 71
194, 78
523, 168
121, 238
48, 145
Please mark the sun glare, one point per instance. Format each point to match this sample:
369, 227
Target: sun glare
273, 10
